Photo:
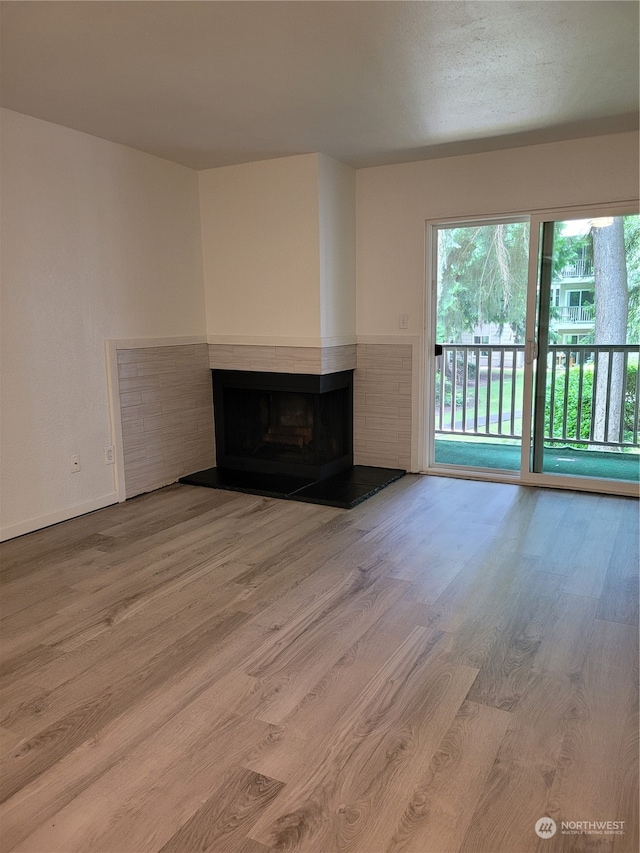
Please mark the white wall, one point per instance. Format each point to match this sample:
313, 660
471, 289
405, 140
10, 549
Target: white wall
260, 244
393, 203
98, 241
103, 242
337, 205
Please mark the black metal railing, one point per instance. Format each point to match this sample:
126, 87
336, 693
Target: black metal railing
592, 393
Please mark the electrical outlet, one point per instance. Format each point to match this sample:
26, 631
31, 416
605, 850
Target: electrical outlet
403, 321
109, 455
74, 463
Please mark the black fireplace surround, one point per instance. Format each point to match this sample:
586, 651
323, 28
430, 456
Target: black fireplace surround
288, 435
298, 425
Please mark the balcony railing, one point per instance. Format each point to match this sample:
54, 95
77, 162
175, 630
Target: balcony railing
574, 314
581, 268
479, 390
592, 393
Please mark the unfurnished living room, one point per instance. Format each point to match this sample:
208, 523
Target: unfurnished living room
319, 428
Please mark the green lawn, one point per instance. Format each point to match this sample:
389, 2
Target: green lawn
494, 398
494, 402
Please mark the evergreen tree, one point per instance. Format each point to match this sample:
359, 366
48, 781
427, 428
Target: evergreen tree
612, 311
482, 278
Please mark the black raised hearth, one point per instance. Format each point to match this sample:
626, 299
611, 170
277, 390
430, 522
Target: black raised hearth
289, 436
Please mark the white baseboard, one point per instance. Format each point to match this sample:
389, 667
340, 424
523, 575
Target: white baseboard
22, 527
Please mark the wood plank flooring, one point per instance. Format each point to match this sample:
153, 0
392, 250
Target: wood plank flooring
430, 672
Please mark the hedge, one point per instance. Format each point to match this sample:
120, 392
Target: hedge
587, 396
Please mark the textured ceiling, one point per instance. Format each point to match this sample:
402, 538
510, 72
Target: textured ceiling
214, 83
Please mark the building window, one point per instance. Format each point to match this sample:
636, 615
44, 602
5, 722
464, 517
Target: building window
576, 298
481, 339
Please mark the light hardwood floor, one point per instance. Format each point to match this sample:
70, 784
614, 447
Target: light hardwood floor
431, 672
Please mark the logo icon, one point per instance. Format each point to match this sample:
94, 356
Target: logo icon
546, 827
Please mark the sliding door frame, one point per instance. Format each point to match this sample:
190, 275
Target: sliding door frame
532, 365
431, 301
427, 405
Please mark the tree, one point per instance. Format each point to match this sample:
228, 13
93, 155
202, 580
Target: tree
482, 278
632, 251
611, 317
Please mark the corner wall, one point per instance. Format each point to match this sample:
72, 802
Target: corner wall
337, 214
98, 242
260, 245
278, 243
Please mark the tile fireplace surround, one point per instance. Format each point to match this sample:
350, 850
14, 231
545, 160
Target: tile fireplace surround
163, 404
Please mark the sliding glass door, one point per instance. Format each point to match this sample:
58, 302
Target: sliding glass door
587, 331
480, 296
533, 350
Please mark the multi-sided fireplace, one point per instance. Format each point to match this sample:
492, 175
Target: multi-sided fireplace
288, 435
298, 425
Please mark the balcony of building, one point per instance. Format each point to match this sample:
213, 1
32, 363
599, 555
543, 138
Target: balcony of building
478, 416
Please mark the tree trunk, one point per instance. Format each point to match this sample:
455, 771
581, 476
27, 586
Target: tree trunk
612, 309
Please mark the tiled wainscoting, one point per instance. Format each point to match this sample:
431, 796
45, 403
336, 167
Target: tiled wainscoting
285, 359
166, 407
166, 411
382, 405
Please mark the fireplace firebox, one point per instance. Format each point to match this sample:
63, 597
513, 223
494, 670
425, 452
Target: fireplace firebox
298, 425
288, 435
